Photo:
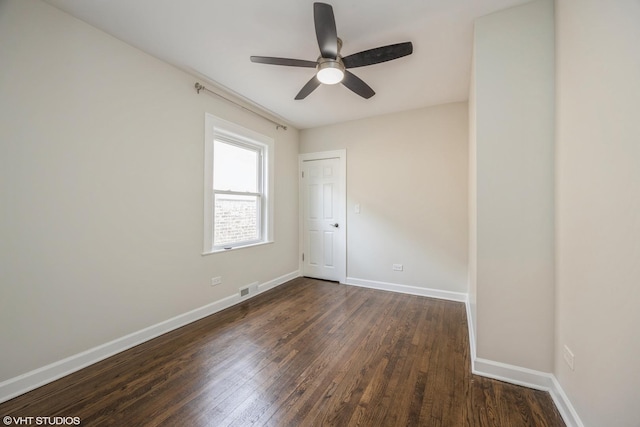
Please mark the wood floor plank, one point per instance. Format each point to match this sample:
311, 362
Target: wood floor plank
308, 353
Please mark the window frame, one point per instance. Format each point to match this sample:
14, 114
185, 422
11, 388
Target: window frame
233, 134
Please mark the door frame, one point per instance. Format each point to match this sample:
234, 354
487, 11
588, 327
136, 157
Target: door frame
322, 155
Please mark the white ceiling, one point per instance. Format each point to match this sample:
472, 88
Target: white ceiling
214, 39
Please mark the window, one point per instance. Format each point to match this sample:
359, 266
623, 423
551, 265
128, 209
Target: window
237, 198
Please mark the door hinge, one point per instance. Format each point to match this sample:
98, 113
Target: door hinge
303, 174
303, 256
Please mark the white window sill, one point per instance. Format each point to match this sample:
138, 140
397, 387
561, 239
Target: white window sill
252, 245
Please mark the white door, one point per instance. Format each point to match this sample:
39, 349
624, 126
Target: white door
324, 231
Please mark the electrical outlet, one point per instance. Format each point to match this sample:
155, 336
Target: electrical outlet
215, 281
568, 357
397, 267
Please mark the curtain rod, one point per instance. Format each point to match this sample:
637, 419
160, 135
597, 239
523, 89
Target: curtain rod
200, 87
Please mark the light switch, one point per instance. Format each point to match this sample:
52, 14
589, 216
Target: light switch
357, 208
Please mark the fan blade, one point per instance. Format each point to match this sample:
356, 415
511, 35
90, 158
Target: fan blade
355, 84
378, 55
308, 88
326, 32
283, 61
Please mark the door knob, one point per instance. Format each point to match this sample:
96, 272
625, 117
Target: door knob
335, 225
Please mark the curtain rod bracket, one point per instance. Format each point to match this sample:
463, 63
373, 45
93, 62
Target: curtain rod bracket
200, 87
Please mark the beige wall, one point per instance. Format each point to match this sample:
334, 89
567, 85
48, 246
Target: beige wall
408, 172
598, 207
514, 211
101, 191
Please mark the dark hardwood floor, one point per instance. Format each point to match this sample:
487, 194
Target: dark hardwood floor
308, 353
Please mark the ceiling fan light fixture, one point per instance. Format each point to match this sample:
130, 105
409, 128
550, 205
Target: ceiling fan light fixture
330, 71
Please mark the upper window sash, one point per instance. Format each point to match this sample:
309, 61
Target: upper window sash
260, 177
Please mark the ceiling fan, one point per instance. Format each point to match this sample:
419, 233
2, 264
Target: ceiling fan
331, 66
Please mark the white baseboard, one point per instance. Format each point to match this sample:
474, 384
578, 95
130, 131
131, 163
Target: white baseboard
405, 289
531, 379
26, 382
472, 331
566, 409
277, 281
513, 374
